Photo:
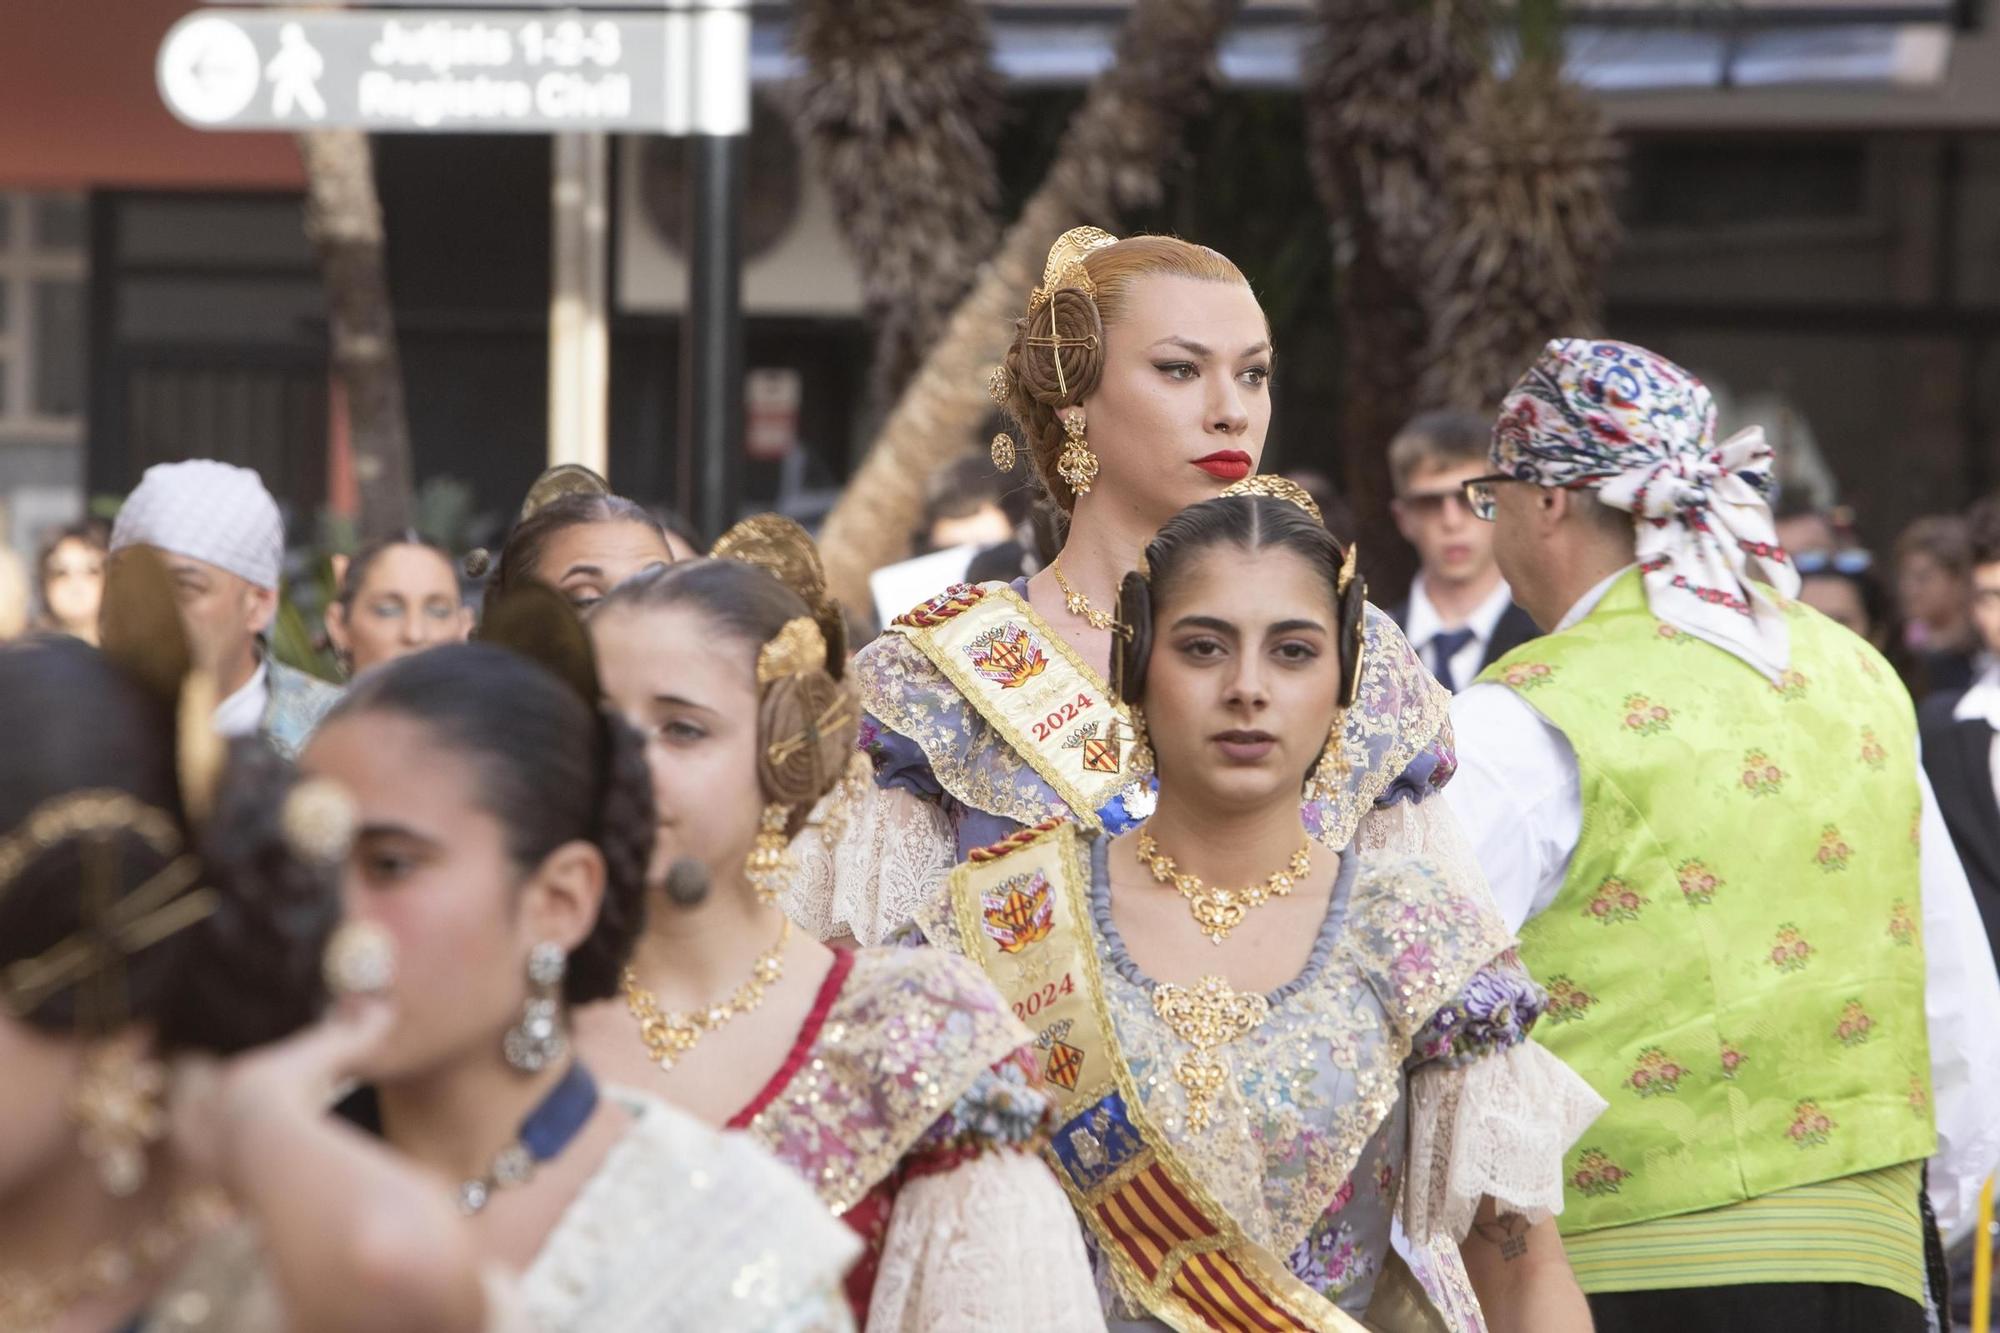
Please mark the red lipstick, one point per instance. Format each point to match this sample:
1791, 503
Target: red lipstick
1225, 464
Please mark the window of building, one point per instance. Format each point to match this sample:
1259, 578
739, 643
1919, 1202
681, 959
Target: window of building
43, 338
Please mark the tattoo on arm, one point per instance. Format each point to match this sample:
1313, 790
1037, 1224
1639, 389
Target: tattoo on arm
1509, 1231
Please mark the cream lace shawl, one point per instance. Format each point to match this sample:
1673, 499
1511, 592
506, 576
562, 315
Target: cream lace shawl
683, 1228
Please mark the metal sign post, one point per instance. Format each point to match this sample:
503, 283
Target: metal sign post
716, 40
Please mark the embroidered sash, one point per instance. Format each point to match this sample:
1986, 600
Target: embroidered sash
1022, 914
1029, 684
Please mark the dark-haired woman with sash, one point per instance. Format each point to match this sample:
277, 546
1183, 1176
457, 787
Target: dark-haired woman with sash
1139, 382
1266, 1051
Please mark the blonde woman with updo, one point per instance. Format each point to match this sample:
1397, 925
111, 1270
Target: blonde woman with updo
1140, 380
895, 1081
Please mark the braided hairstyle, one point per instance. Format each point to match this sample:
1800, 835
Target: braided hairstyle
807, 724
553, 768
245, 974
1244, 523
1043, 377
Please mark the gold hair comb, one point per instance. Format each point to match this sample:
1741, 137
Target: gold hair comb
112, 929
1065, 264
796, 650
1276, 488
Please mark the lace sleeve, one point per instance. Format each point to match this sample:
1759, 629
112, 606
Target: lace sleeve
1498, 1126
990, 1245
867, 874
1429, 830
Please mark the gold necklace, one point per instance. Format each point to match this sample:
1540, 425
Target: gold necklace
669, 1036
1219, 911
1206, 1015
1079, 605
31, 1301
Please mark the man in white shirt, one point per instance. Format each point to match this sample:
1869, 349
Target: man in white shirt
1647, 809
1459, 615
220, 535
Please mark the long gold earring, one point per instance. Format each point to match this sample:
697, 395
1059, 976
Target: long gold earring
1076, 465
1332, 768
120, 1112
769, 864
1142, 748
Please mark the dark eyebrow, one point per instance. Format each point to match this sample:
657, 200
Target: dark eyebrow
676, 701
1194, 348
596, 571
1294, 626
396, 831
1216, 623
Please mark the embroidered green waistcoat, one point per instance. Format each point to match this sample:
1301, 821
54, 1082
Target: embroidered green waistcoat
1734, 959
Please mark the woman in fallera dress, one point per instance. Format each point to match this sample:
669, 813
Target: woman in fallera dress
894, 1081
1140, 381
152, 962
504, 824
1263, 1049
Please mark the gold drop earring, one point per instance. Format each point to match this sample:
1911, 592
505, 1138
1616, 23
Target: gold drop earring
120, 1111
769, 864
1076, 465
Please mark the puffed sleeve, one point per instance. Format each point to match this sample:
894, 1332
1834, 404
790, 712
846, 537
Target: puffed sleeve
982, 1236
1491, 1112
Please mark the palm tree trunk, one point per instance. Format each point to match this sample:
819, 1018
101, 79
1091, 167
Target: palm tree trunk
344, 222
1385, 81
897, 104
1530, 229
1109, 161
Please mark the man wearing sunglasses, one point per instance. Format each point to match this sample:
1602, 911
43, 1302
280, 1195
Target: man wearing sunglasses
1460, 615
1703, 801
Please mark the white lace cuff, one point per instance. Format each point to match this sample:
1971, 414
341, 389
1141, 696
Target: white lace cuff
990, 1245
1499, 1127
890, 856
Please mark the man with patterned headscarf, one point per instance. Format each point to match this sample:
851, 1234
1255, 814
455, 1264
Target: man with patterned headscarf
219, 532
1704, 801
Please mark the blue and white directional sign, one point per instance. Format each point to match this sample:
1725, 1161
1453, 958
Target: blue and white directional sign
487, 72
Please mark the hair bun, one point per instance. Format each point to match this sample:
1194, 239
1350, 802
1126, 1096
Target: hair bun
784, 549
813, 726
1060, 349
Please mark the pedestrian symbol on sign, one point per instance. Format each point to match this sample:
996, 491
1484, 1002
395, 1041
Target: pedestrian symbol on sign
294, 74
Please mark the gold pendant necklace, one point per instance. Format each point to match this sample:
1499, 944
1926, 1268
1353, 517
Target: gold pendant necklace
1079, 605
669, 1036
30, 1301
1206, 1015
1219, 911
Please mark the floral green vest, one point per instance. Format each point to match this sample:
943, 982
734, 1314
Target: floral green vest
1733, 961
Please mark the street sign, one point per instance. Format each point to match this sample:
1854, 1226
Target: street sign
483, 72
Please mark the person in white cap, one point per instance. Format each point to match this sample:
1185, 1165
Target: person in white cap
219, 532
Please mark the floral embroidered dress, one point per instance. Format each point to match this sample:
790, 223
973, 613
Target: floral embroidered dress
948, 779
1391, 1078
909, 1102
681, 1228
